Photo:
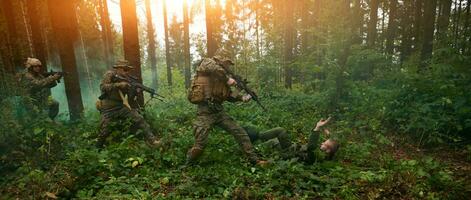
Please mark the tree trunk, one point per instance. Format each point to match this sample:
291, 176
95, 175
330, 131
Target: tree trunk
211, 46
372, 32
167, 46
64, 25
429, 28
289, 43
444, 19
186, 48
467, 30
13, 35
406, 31
358, 22
151, 48
106, 32
36, 33
392, 27
131, 42
5, 45
417, 23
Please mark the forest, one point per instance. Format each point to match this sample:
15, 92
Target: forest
393, 77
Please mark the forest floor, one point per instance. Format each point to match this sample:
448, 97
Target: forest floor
59, 160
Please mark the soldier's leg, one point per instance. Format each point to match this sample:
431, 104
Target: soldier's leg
104, 131
53, 107
228, 124
280, 134
201, 128
140, 124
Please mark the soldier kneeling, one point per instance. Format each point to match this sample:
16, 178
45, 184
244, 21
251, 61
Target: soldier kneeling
114, 105
38, 87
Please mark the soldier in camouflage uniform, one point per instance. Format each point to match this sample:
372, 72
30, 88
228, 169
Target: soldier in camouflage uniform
210, 88
114, 106
309, 152
38, 87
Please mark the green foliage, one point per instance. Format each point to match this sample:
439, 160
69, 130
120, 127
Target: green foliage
366, 166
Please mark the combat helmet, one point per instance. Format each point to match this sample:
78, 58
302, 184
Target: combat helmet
223, 55
123, 64
32, 62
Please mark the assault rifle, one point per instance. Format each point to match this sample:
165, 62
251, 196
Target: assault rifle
134, 82
52, 73
242, 84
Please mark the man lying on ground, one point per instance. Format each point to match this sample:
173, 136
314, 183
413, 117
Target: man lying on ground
309, 152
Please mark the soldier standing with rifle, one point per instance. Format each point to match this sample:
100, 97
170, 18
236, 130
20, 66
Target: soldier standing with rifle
209, 89
114, 104
38, 86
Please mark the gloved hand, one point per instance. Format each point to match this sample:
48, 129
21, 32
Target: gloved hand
123, 85
231, 82
56, 76
246, 98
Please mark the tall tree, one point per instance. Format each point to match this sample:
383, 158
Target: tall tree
167, 46
107, 37
186, 48
406, 30
5, 45
151, 48
429, 29
64, 25
392, 27
372, 32
14, 40
444, 18
210, 43
131, 42
36, 32
358, 22
289, 39
417, 32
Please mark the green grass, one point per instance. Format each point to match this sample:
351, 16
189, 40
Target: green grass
60, 160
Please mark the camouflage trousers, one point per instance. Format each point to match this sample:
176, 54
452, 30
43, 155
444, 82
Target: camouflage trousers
49, 106
279, 133
121, 114
206, 120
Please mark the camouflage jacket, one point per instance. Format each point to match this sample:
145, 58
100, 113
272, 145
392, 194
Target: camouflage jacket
38, 86
217, 85
109, 87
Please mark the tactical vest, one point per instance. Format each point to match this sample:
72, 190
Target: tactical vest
208, 87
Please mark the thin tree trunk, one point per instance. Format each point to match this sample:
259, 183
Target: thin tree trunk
13, 36
186, 48
64, 24
444, 19
467, 30
167, 46
104, 37
357, 23
406, 34
131, 42
417, 24
429, 28
372, 32
151, 48
83, 50
5, 45
108, 35
392, 27
36, 33
211, 46
26, 28
289, 43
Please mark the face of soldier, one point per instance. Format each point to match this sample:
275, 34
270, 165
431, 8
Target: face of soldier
123, 71
37, 68
327, 146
